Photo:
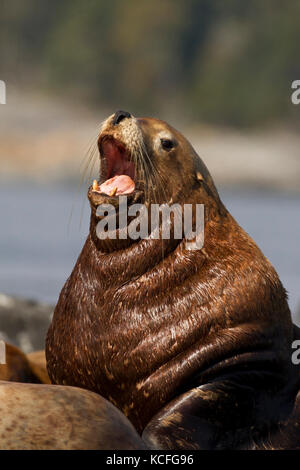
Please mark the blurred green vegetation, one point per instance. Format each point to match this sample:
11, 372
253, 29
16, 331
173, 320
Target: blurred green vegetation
223, 62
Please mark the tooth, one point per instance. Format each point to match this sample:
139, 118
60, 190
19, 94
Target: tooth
95, 185
199, 176
113, 191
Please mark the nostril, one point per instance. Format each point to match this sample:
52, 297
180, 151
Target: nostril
119, 116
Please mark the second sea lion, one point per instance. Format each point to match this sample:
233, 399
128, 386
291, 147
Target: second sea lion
48, 417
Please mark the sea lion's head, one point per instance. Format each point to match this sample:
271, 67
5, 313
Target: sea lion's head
149, 162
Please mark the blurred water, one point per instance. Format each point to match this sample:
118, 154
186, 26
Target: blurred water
38, 252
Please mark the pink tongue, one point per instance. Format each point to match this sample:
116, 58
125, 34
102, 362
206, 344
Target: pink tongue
123, 183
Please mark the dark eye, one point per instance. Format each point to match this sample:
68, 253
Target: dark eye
167, 144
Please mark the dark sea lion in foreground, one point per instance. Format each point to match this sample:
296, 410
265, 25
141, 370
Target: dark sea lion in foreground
193, 346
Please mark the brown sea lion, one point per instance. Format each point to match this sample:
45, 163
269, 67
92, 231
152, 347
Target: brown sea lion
47, 417
37, 361
194, 346
22, 368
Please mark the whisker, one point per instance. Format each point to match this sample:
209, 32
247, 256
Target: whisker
85, 163
152, 176
88, 179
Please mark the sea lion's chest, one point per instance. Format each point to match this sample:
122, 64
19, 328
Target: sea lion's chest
140, 342
117, 347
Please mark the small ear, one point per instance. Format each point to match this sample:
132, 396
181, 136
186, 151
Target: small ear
199, 176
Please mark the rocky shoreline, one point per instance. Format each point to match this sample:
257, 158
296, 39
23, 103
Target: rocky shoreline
24, 322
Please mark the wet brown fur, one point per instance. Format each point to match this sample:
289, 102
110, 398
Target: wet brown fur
141, 325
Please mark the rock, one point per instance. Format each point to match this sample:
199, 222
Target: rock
24, 323
44, 417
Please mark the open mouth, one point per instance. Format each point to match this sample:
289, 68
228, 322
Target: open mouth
117, 169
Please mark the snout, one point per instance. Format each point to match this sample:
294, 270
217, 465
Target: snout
119, 116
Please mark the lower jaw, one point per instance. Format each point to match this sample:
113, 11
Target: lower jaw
110, 245
97, 198
159, 247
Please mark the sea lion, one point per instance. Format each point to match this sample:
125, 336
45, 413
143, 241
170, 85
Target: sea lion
37, 362
193, 346
22, 368
48, 417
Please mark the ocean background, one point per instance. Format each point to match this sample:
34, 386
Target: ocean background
43, 228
